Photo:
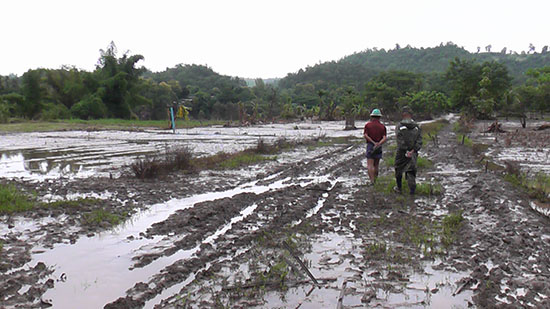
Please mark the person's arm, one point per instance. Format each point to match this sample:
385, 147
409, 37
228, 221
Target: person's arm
382, 141
384, 138
369, 139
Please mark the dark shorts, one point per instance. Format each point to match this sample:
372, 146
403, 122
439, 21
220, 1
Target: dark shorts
370, 155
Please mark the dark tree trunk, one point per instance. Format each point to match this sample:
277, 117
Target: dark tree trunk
350, 122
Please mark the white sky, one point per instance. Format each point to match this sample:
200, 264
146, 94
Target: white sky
255, 38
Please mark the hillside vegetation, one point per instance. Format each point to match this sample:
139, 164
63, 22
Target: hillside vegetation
430, 80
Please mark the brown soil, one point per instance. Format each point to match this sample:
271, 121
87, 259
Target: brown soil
501, 247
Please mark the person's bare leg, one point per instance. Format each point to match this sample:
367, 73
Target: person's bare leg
370, 168
376, 165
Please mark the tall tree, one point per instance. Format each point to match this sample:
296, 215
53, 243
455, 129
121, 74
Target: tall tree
34, 93
120, 82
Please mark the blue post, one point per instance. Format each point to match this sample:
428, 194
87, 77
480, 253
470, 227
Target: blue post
173, 120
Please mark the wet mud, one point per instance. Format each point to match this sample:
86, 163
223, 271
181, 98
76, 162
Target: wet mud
248, 238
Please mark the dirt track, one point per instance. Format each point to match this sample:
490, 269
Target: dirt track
366, 248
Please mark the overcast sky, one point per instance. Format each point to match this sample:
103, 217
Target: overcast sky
255, 38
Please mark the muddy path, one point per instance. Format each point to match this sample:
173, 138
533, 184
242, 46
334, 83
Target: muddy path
233, 239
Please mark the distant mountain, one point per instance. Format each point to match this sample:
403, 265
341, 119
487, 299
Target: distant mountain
358, 68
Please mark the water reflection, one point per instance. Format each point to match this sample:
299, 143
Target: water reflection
39, 165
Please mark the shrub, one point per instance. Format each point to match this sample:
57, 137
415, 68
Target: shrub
52, 111
91, 107
147, 167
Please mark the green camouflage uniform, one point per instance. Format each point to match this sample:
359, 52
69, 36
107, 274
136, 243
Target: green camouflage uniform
409, 136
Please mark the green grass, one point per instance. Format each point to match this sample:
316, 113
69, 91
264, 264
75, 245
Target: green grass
22, 125
467, 141
98, 216
433, 237
385, 184
13, 200
538, 186
421, 162
433, 128
450, 225
377, 248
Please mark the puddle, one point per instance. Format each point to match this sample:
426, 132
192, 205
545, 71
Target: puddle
98, 269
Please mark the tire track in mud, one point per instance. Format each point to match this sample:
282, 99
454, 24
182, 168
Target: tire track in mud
372, 242
273, 210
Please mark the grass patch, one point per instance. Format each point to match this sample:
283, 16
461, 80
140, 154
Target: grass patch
433, 128
100, 216
385, 184
451, 223
243, 159
377, 248
182, 159
421, 162
463, 139
479, 148
22, 125
12, 200
538, 186
433, 237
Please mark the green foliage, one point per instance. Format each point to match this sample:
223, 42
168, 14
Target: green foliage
478, 89
8, 105
52, 111
478, 84
535, 94
34, 93
13, 200
426, 103
91, 107
4, 112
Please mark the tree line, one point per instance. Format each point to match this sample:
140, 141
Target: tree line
344, 89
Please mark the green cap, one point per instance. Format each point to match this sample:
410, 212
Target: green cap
376, 113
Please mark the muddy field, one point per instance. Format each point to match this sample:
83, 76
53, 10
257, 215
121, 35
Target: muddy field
303, 231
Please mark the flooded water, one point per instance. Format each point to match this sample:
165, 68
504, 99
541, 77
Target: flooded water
79, 154
527, 147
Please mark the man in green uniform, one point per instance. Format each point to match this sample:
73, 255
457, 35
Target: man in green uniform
409, 142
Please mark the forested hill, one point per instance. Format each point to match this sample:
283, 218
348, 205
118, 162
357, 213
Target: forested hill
361, 67
196, 76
